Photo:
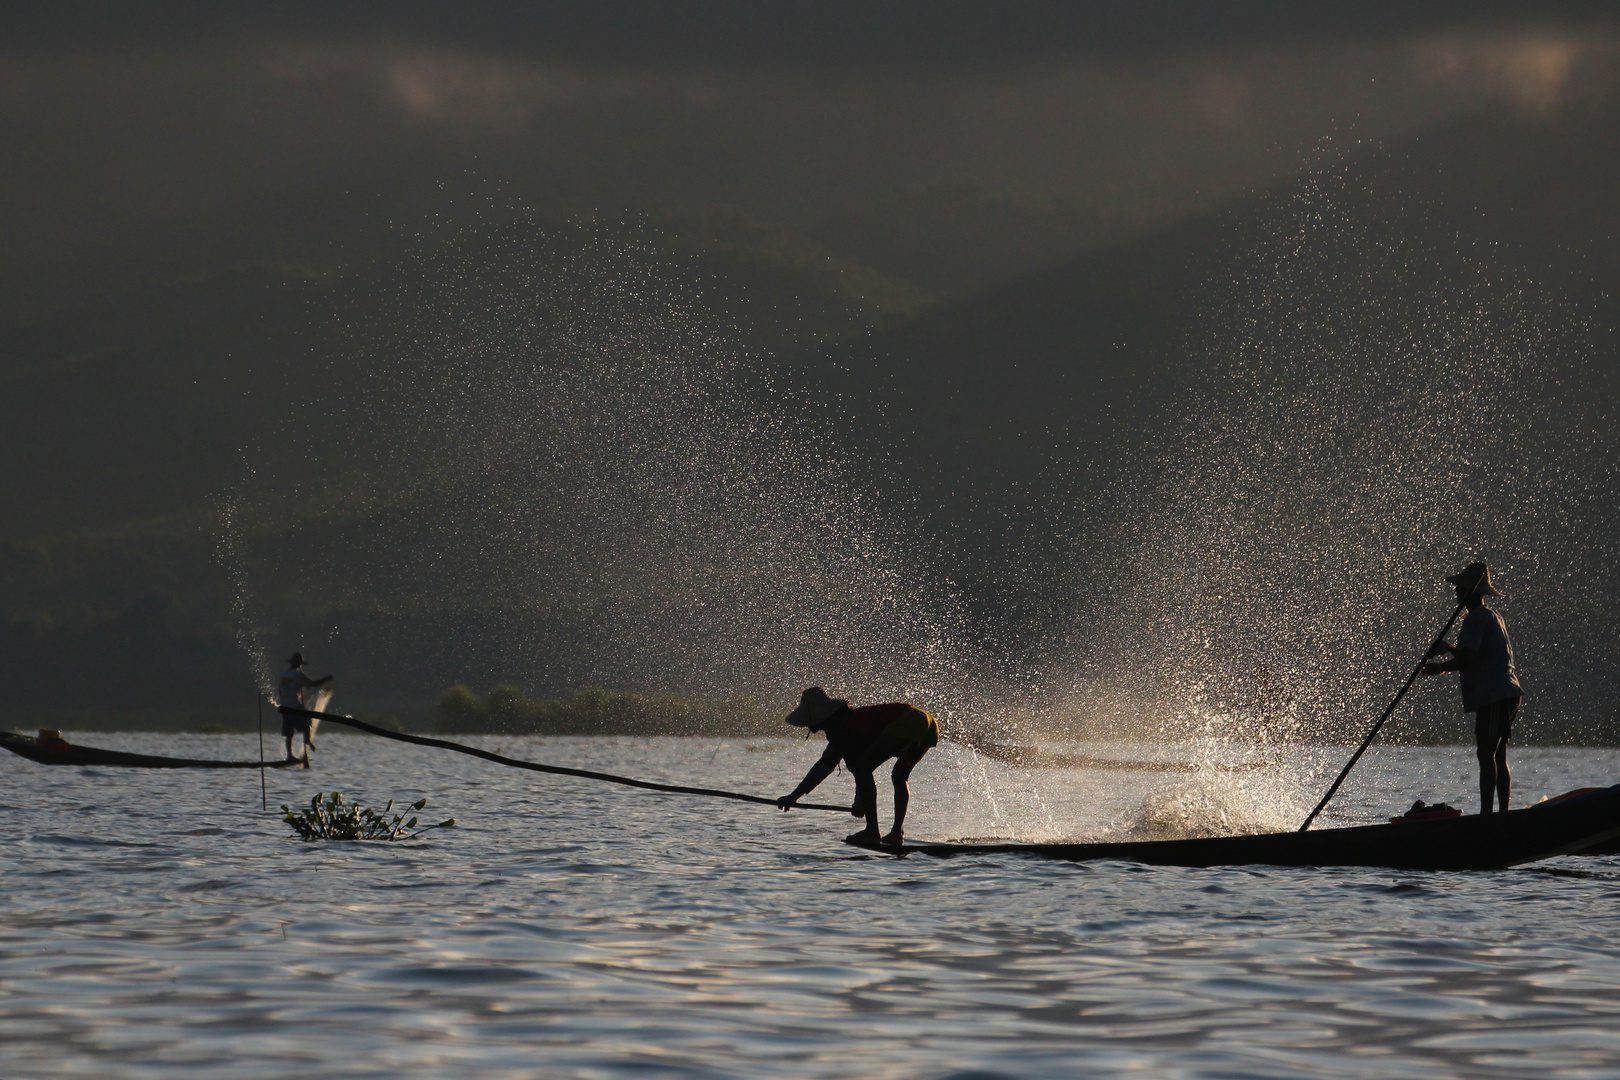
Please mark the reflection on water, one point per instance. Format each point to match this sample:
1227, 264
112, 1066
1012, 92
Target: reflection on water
160, 925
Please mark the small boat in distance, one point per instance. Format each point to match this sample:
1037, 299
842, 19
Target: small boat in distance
1583, 823
50, 749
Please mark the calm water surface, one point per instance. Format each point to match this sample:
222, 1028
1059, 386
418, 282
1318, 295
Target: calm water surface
160, 925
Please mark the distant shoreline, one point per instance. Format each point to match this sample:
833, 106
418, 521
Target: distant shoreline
506, 711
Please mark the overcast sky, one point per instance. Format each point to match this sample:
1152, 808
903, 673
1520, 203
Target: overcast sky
124, 123
155, 135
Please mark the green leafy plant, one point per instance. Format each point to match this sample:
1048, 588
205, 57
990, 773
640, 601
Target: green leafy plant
334, 819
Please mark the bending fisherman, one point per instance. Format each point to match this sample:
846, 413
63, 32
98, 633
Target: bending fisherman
864, 738
1490, 686
291, 694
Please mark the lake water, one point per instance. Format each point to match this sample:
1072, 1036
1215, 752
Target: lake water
159, 924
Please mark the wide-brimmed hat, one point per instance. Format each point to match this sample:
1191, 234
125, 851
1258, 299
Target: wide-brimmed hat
814, 708
1475, 579
296, 659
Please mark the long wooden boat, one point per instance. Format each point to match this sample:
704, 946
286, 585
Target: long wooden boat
57, 752
1586, 823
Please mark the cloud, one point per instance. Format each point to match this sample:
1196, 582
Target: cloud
463, 88
121, 143
1534, 71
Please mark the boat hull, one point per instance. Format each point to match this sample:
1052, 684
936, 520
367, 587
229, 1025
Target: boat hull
33, 750
1474, 842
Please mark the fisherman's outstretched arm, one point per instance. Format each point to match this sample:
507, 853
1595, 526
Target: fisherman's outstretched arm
818, 772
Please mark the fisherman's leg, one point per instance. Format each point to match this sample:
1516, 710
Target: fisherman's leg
866, 786
865, 803
863, 769
903, 764
1504, 778
1502, 729
1485, 750
862, 806
1487, 779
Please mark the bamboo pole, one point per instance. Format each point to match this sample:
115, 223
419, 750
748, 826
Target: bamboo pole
264, 799
535, 766
1362, 749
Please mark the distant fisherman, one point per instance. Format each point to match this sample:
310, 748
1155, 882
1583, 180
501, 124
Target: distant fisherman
291, 695
865, 738
1490, 686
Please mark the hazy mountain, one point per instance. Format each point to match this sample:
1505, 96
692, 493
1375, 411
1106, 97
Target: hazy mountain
416, 502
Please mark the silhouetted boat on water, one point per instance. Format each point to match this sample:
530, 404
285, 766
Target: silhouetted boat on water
1581, 823
1584, 822
57, 752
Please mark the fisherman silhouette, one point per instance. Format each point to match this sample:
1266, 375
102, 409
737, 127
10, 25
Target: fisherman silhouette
865, 738
1483, 655
290, 694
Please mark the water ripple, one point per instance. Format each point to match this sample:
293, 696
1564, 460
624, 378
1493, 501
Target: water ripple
628, 935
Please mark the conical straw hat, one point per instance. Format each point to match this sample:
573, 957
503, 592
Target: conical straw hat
1475, 579
814, 708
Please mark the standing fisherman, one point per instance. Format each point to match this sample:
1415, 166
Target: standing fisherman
291, 695
865, 738
1490, 687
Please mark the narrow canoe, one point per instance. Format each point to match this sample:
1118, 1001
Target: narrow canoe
1572, 826
67, 754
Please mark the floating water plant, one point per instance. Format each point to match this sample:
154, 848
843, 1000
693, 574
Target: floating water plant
333, 818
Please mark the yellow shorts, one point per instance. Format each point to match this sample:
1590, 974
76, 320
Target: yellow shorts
913, 726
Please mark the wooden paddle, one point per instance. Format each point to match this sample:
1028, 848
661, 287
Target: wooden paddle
1362, 749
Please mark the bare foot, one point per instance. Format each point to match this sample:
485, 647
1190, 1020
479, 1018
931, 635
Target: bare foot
895, 838
865, 838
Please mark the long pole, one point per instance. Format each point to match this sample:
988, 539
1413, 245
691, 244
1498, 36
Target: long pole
264, 800
535, 766
1362, 749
